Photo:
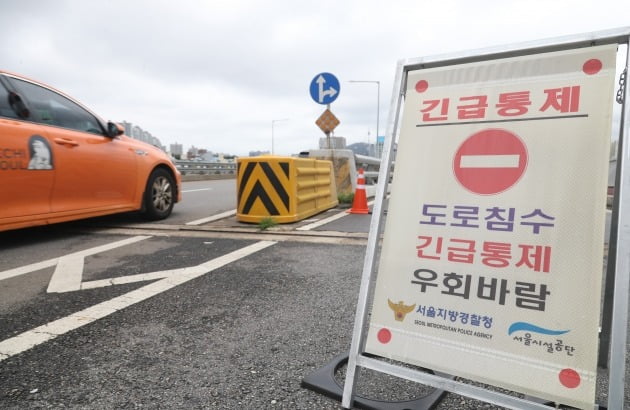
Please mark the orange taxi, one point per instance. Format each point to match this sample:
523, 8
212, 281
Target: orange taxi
61, 162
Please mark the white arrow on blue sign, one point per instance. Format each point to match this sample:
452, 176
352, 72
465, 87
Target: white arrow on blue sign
324, 88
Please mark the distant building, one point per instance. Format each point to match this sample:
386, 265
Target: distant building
380, 142
138, 133
224, 158
177, 150
192, 153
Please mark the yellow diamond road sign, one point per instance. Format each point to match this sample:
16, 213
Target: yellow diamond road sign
327, 121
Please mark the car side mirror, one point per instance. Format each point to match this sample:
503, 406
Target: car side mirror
114, 129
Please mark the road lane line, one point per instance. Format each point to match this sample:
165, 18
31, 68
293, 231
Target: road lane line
54, 261
212, 218
322, 222
326, 220
143, 277
49, 331
28, 268
196, 190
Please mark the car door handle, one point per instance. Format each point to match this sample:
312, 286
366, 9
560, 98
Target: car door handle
63, 141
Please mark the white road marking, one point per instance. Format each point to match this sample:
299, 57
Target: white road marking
54, 261
44, 333
212, 218
28, 268
68, 274
489, 161
143, 277
196, 190
325, 220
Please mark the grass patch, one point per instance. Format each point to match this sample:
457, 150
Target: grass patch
266, 223
345, 198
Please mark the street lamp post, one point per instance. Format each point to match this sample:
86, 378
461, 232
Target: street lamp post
378, 101
272, 125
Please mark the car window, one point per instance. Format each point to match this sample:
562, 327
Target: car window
48, 107
5, 107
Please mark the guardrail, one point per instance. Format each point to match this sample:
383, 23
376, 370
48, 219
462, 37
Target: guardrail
205, 168
370, 165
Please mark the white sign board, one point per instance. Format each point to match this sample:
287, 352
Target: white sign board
491, 263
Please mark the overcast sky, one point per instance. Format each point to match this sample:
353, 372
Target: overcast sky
216, 73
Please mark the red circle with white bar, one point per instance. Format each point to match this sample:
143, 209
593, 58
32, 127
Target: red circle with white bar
490, 161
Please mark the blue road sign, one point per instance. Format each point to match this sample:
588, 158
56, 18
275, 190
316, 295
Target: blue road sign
324, 88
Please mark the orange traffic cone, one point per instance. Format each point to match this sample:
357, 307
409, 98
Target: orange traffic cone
359, 203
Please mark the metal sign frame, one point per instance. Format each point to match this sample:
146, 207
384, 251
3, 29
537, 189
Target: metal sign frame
619, 256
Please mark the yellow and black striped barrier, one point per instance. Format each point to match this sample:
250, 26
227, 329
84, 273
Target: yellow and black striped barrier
286, 189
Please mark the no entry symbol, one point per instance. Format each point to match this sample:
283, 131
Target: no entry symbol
490, 161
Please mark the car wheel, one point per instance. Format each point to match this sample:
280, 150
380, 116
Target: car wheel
159, 195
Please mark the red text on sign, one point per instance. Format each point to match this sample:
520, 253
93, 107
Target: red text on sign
509, 104
492, 254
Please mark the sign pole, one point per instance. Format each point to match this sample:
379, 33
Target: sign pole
376, 226
619, 331
328, 132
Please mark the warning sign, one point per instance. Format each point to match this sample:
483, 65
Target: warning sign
491, 263
327, 122
262, 188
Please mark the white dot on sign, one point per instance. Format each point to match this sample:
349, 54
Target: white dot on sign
208, 243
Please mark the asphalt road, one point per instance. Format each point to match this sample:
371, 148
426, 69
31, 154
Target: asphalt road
240, 336
216, 316
204, 198
243, 336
